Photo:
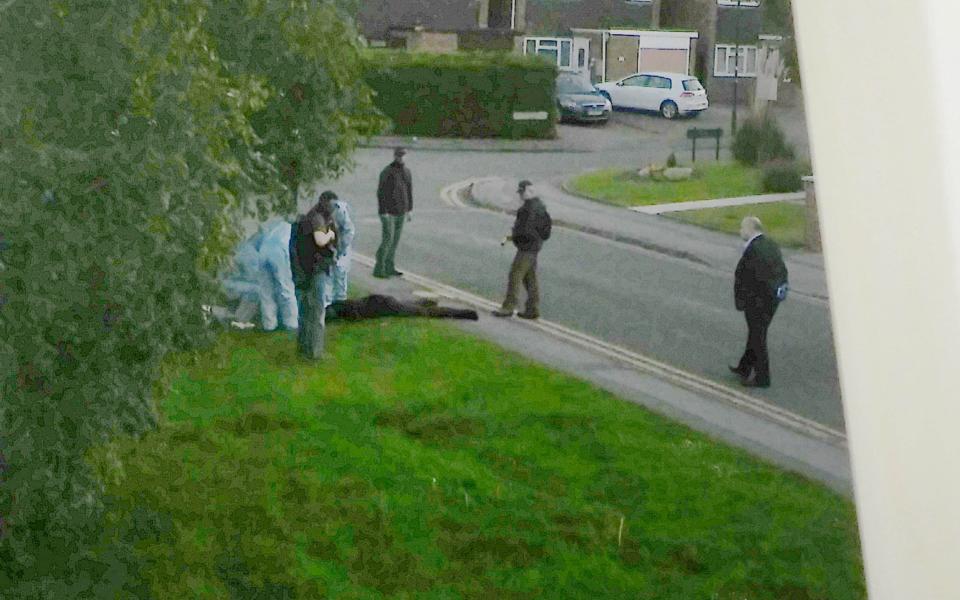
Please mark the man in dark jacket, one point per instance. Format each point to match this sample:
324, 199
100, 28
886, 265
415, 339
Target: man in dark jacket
530, 230
395, 201
759, 286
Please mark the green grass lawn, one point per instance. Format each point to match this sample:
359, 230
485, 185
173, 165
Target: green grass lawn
421, 462
783, 221
622, 187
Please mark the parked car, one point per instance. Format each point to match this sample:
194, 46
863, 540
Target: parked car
670, 94
578, 100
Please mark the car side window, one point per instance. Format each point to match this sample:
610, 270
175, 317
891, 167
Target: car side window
662, 82
632, 81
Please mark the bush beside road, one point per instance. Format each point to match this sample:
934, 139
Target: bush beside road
447, 467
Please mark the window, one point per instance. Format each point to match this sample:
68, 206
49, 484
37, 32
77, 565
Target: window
565, 53
660, 82
742, 3
582, 58
637, 81
567, 83
724, 61
559, 51
692, 85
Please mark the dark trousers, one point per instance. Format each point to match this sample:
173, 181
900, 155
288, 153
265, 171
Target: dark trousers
523, 270
755, 357
392, 227
312, 319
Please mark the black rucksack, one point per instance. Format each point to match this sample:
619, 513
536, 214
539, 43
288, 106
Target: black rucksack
544, 224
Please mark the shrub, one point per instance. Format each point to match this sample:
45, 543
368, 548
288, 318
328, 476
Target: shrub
782, 176
672, 160
463, 95
132, 136
761, 141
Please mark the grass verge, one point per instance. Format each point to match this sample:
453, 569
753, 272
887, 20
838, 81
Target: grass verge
622, 187
421, 462
783, 221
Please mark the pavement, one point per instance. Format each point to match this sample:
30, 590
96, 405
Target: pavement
659, 209
799, 446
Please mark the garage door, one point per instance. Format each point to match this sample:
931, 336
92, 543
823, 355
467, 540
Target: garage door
621, 57
671, 61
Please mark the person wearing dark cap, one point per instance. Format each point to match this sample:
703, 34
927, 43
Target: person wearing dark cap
395, 202
530, 230
313, 256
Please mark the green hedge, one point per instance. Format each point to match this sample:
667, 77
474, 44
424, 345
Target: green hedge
462, 95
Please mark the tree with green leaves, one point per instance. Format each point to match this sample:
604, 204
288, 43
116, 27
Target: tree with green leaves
135, 137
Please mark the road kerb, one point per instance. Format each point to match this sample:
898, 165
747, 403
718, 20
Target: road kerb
643, 363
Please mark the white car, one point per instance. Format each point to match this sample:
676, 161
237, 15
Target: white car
670, 94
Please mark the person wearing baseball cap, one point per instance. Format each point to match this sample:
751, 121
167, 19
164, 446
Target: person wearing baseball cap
530, 229
395, 202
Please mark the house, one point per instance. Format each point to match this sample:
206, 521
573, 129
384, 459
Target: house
603, 39
724, 26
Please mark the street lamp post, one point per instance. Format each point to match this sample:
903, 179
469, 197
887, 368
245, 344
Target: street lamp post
736, 68
736, 65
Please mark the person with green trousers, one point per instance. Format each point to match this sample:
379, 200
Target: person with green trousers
313, 255
395, 202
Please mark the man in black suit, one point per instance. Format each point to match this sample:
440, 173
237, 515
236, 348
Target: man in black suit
760, 284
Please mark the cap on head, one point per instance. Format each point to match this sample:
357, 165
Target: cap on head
327, 196
523, 185
398, 152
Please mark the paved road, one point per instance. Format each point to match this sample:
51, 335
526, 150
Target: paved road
671, 309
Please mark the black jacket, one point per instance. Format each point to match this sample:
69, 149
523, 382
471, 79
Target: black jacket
759, 273
306, 258
532, 226
395, 192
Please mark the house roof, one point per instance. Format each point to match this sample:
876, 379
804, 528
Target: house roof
376, 17
557, 16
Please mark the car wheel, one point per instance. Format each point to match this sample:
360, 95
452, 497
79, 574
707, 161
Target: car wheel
669, 110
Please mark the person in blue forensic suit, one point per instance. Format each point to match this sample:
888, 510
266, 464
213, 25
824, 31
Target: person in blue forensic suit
241, 283
345, 234
278, 300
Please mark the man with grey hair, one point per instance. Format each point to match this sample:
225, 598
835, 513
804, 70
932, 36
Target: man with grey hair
760, 284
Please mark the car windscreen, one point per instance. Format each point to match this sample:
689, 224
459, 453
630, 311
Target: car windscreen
692, 85
574, 85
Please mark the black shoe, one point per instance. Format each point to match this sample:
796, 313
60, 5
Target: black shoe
503, 313
378, 276
530, 316
752, 383
396, 274
736, 371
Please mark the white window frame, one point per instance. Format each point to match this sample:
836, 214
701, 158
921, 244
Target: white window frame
734, 2
559, 45
741, 61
